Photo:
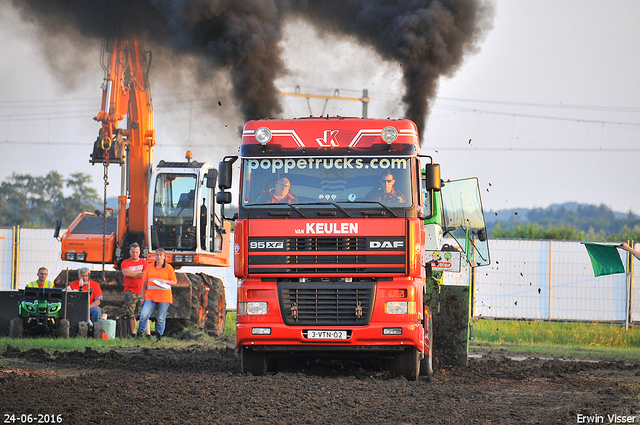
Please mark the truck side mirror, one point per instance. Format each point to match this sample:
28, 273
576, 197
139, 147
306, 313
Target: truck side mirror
432, 174
223, 197
225, 172
56, 233
212, 177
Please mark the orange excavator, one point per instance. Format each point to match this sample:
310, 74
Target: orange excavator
170, 206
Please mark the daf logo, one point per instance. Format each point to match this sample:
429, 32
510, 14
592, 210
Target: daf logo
382, 244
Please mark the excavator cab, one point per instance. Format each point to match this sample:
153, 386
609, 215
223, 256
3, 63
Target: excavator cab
183, 219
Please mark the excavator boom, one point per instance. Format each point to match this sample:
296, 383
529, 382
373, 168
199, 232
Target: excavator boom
171, 206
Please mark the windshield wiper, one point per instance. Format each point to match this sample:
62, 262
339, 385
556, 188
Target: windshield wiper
296, 209
345, 212
341, 209
375, 202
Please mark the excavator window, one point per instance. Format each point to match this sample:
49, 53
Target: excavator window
174, 224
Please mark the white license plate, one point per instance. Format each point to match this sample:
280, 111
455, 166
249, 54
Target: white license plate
327, 334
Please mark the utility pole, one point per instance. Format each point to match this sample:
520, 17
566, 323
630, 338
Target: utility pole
336, 96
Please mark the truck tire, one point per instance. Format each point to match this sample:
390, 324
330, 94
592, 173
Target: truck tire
253, 362
83, 329
216, 309
62, 329
407, 364
426, 364
16, 328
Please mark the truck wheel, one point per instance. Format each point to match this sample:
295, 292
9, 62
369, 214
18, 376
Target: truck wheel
62, 329
16, 328
216, 310
97, 330
253, 362
426, 364
407, 364
83, 329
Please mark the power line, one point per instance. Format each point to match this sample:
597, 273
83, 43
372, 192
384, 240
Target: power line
437, 148
545, 117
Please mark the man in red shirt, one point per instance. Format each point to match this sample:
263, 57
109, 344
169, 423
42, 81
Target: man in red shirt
84, 283
280, 194
133, 268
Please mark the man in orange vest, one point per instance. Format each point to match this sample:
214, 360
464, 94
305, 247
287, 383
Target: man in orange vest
42, 281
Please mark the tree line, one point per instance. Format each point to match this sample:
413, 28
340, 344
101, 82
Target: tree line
39, 201
568, 222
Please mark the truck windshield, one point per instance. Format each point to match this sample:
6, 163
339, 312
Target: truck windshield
327, 179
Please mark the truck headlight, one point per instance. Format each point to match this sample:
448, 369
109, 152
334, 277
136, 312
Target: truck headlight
263, 135
252, 308
389, 134
397, 307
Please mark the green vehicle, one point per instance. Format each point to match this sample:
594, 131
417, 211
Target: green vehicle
40, 313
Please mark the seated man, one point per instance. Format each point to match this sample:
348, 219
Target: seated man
387, 191
84, 283
280, 194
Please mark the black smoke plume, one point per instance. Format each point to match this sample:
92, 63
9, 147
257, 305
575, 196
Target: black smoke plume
428, 38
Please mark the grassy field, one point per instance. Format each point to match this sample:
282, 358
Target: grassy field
541, 339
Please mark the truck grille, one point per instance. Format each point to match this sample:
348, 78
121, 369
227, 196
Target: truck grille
326, 244
321, 255
326, 304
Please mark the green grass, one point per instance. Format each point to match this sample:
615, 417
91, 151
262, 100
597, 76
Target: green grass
230, 324
565, 334
569, 340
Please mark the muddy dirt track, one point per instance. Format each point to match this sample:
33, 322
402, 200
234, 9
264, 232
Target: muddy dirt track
163, 385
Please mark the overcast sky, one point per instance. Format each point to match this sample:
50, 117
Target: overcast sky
546, 112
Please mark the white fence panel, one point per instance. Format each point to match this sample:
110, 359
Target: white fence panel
38, 248
516, 282
6, 258
576, 294
548, 280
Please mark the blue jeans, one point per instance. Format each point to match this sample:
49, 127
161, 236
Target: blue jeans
95, 313
161, 317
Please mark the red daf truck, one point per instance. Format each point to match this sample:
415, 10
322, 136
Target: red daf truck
330, 241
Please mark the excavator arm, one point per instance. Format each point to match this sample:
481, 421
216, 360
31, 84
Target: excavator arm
126, 95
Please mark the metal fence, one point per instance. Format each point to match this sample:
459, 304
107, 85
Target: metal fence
527, 279
553, 280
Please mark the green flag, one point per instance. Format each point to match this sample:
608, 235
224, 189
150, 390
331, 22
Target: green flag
604, 259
